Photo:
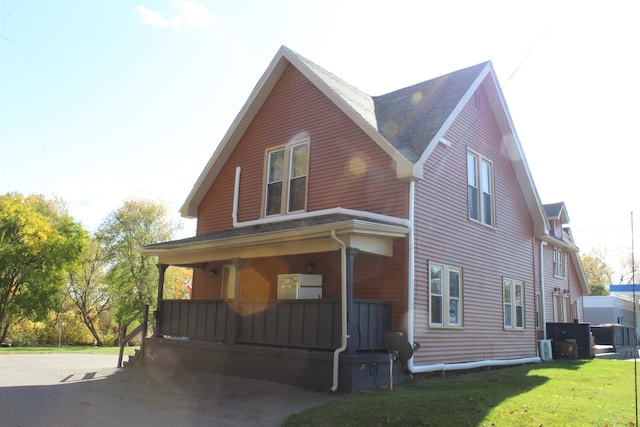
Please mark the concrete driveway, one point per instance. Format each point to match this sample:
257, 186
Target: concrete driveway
86, 390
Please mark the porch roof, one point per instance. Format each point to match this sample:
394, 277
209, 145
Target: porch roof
309, 235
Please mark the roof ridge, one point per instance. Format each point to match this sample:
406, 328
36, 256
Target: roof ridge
360, 101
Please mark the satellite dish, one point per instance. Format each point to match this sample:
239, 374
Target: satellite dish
399, 349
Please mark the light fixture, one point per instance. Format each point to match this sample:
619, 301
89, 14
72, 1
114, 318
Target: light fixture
311, 266
213, 272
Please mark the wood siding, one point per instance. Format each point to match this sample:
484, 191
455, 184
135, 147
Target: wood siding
385, 279
445, 234
346, 169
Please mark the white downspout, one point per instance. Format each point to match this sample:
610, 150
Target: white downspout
542, 303
236, 192
343, 336
411, 272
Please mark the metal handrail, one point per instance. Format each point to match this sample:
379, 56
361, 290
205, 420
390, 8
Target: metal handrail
124, 338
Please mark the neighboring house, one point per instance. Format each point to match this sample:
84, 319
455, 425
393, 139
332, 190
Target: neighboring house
563, 280
413, 211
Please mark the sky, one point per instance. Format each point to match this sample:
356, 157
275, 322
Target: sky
101, 102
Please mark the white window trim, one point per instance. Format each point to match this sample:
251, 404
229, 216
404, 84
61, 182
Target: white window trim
446, 321
513, 306
558, 262
286, 177
479, 160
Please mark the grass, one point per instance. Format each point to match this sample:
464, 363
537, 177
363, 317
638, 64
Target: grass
559, 393
66, 349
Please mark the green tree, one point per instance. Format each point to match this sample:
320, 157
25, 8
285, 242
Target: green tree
133, 278
88, 290
39, 244
177, 283
598, 273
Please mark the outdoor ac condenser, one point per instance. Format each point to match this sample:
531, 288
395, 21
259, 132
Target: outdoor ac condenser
544, 349
299, 286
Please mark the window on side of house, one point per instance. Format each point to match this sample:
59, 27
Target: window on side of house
480, 189
513, 299
445, 295
286, 180
558, 262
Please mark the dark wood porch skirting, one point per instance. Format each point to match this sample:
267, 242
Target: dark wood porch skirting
304, 368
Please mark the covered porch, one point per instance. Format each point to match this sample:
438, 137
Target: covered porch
236, 324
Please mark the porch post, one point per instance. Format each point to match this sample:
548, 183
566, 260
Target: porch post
162, 268
352, 321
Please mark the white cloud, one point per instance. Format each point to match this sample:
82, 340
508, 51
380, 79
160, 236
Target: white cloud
156, 19
189, 14
195, 14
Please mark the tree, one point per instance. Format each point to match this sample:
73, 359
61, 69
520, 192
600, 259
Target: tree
598, 273
88, 291
177, 283
628, 269
39, 244
131, 277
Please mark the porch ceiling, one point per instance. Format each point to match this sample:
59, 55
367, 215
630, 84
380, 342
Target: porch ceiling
292, 238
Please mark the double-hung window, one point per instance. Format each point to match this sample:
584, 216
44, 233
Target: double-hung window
558, 262
513, 299
445, 300
480, 189
286, 179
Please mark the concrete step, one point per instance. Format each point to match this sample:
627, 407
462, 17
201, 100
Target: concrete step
604, 349
133, 359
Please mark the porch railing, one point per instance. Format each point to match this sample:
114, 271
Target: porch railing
124, 338
312, 324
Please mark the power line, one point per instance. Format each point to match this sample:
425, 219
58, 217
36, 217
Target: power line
7, 38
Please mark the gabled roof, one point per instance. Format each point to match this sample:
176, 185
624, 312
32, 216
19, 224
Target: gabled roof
410, 118
407, 124
557, 211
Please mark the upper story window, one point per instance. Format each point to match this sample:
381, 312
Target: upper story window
513, 299
480, 189
286, 179
445, 301
558, 262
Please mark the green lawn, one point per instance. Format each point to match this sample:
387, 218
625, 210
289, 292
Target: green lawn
66, 349
559, 393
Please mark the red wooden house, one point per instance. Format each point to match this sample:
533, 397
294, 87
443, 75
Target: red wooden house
327, 217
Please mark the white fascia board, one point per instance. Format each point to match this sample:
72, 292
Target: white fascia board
517, 156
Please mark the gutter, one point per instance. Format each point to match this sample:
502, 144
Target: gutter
344, 335
304, 215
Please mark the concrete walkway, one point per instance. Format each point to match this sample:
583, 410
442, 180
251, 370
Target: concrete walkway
86, 390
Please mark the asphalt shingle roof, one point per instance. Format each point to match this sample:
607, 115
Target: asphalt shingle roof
409, 118
265, 228
553, 210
